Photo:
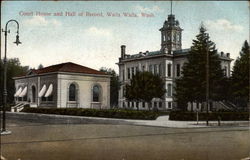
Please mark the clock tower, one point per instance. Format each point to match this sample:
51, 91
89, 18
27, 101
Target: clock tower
170, 35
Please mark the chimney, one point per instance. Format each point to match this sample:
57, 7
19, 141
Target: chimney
222, 54
228, 55
123, 51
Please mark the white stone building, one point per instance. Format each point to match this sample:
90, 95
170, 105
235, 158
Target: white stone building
64, 85
166, 62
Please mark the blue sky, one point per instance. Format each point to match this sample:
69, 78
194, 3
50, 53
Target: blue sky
95, 41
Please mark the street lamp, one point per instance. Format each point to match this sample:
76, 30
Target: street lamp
17, 42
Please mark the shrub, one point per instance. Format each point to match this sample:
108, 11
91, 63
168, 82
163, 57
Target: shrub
108, 113
224, 116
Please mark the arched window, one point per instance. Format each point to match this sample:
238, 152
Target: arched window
96, 93
72, 92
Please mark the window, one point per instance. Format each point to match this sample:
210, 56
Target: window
155, 69
72, 92
178, 37
178, 70
225, 71
43, 98
50, 98
137, 104
143, 68
143, 104
169, 105
133, 71
96, 93
168, 36
169, 70
123, 91
128, 69
169, 90
150, 68
132, 104
137, 69
25, 98
160, 104
160, 69
123, 75
155, 104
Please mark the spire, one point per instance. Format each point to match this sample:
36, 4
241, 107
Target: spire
171, 6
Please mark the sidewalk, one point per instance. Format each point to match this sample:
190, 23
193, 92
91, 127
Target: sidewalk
162, 121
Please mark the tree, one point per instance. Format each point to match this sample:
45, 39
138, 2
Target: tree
144, 86
114, 85
40, 66
14, 69
191, 87
240, 77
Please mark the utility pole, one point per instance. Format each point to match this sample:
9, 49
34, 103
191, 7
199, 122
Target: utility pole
207, 82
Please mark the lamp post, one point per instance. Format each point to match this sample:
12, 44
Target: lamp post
17, 42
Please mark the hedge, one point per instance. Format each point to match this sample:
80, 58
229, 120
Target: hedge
107, 113
224, 116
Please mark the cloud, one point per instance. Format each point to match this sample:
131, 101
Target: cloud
147, 9
94, 31
223, 25
41, 21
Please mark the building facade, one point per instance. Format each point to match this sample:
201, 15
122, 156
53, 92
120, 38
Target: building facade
65, 85
167, 62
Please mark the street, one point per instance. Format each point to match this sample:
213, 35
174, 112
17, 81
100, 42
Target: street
39, 141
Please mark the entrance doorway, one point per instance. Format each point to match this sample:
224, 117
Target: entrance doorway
33, 94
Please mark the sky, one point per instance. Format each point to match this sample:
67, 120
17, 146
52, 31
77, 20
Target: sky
92, 38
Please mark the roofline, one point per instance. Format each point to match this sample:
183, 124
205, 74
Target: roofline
165, 55
146, 57
68, 73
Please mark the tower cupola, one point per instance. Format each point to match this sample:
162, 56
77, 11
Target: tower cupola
171, 34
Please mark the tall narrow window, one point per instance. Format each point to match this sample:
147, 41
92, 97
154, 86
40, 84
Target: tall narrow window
128, 70
96, 93
143, 104
160, 104
150, 68
225, 71
169, 105
160, 69
72, 92
178, 70
143, 68
123, 75
133, 71
136, 69
169, 90
155, 69
169, 70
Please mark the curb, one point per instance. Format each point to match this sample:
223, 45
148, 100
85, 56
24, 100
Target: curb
55, 119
